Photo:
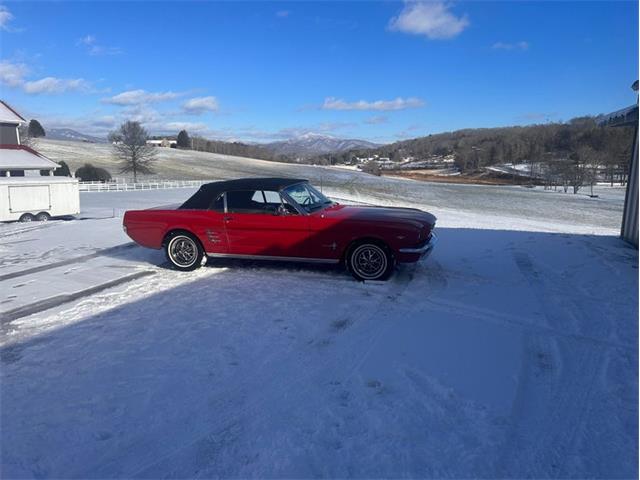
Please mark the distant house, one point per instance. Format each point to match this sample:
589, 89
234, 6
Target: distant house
165, 143
17, 160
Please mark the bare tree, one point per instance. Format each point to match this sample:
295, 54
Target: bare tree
25, 138
130, 147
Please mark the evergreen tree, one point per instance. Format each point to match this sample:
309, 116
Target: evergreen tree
63, 170
35, 129
183, 140
89, 173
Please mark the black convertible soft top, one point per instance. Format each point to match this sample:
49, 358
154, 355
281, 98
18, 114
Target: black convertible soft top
202, 199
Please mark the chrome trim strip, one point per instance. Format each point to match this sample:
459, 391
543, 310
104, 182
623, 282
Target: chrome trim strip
274, 258
426, 248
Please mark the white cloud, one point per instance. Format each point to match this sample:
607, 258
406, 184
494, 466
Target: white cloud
331, 103
137, 97
431, 19
376, 120
140, 113
56, 85
177, 126
12, 74
199, 105
93, 48
5, 18
511, 46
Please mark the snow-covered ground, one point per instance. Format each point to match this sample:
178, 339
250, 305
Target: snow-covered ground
510, 352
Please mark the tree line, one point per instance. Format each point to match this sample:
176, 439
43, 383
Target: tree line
237, 149
567, 155
558, 154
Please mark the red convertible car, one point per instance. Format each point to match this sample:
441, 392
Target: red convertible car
283, 219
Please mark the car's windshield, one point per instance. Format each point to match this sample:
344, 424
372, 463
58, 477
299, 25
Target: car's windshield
307, 197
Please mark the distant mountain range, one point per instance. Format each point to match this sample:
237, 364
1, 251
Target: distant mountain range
312, 144
73, 135
307, 145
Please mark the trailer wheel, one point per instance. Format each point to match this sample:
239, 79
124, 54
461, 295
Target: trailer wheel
27, 217
43, 217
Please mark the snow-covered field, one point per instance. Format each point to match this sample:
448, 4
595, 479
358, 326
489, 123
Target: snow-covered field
504, 206
511, 352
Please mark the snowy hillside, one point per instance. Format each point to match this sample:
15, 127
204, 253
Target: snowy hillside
72, 135
313, 144
510, 352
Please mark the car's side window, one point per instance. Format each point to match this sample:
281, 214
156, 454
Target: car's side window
272, 197
275, 201
302, 195
256, 202
247, 201
258, 197
218, 204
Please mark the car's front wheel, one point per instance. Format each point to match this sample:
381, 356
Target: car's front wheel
184, 251
370, 261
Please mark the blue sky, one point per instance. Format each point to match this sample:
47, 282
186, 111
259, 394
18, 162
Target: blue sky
263, 71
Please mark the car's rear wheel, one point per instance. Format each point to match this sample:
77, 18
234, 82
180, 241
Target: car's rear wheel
184, 251
43, 217
27, 217
370, 261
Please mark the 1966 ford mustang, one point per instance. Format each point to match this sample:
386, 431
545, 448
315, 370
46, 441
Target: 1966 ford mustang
283, 219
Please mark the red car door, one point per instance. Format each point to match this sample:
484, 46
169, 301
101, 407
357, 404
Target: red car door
213, 233
209, 226
255, 227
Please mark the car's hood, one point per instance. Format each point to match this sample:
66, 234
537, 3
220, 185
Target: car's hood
412, 216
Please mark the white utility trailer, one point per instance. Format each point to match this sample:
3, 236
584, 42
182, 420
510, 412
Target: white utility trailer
27, 198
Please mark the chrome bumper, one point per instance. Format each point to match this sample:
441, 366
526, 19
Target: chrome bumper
423, 250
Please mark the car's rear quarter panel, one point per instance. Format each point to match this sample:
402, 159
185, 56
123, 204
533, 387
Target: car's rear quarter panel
149, 227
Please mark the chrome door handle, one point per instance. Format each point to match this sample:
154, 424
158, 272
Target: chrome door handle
228, 219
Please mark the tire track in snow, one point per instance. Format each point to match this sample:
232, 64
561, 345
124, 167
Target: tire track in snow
554, 394
554, 389
51, 302
17, 231
497, 317
61, 263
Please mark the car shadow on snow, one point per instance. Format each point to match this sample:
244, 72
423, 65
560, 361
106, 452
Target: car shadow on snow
108, 394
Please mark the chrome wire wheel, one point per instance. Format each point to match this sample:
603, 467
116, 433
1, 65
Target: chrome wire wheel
183, 251
369, 261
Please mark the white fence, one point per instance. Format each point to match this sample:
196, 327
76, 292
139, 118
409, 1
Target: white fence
126, 187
